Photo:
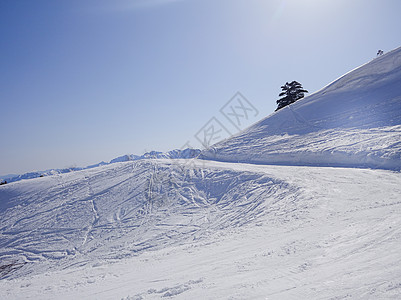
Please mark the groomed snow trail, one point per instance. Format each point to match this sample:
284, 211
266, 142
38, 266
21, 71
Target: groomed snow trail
204, 230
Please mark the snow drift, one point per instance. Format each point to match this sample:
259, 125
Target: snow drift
353, 122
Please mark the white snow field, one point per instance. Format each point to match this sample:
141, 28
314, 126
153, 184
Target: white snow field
154, 229
268, 214
353, 122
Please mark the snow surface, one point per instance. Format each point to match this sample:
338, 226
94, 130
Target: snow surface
216, 231
353, 122
165, 227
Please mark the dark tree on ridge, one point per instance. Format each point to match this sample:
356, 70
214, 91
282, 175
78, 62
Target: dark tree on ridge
292, 92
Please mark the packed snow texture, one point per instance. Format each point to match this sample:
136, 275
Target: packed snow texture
93, 214
353, 122
208, 230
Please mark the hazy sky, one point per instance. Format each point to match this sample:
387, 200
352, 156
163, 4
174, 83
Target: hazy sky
83, 81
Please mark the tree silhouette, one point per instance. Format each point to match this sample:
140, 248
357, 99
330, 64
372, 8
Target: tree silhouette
292, 91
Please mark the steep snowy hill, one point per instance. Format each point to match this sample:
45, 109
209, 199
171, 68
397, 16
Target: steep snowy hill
354, 121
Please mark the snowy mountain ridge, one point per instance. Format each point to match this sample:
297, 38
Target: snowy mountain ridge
173, 154
352, 122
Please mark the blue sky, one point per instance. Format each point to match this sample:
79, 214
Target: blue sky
85, 81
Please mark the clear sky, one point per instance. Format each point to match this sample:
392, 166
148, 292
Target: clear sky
83, 81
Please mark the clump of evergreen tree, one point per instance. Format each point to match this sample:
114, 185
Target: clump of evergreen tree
292, 92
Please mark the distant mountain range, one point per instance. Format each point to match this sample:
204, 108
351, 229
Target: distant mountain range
173, 154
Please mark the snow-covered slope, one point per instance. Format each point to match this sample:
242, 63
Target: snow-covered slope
122, 209
204, 230
354, 121
150, 227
